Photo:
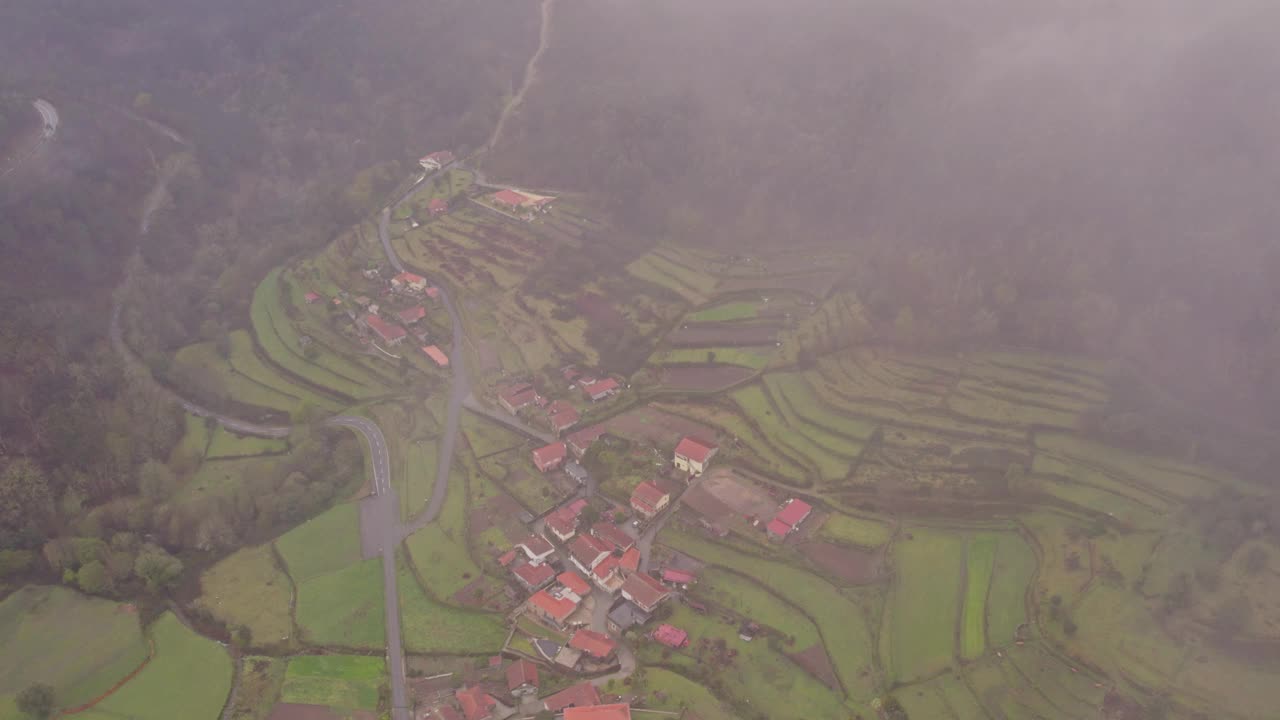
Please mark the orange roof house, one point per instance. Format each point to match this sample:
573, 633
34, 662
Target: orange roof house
438, 206
574, 582
534, 576
522, 678
409, 281
646, 592
584, 694
476, 703
597, 645
436, 354
692, 455
549, 457
550, 607
390, 334
620, 711
648, 499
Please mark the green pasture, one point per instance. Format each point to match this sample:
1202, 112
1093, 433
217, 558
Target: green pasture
342, 682
918, 634
247, 588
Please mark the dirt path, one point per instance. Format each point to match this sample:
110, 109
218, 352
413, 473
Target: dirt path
530, 74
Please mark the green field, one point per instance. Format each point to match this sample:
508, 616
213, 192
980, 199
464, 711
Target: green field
430, 626
439, 551
851, 530
755, 358
245, 361
750, 599
323, 544
195, 439
757, 405
344, 608
342, 682
79, 645
189, 676
979, 563
1015, 566
673, 692
247, 588
226, 444
736, 310
202, 359
918, 636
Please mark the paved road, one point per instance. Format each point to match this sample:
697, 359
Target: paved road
507, 419
378, 515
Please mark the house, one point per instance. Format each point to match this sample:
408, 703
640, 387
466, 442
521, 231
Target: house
549, 457
438, 206
433, 293
597, 645
649, 499
436, 354
613, 535
573, 582
562, 523
533, 577
606, 574
436, 160
522, 678
671, 636
646, 592
584, 694
587, 551
619, 711
536, 548
475, 702
562, 416
506, 558
517, 396
624, 615
509, 199
692, 456
555, 608
788, 519
577, 472
408, 282
409, 316
313, 298
388, 333
568, 657
601, 389
630, 560
444, 712
580, 441
678, 577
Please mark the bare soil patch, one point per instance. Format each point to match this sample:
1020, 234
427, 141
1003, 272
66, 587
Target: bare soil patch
300, 711
722, 495
656, 427
851, 565
703, 378
815, 661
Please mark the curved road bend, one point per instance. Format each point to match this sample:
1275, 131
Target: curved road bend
379, 537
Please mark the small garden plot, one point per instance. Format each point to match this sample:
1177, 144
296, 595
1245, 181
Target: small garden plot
247, 588
702, 378
979, 563
725, 312
755, 358
672, 692
756, 405
226, 444
751, 675
433, 627
344, 608
986, 407
342, 682
757, 603
844, 564
840, 619
79, 645
189, 676
851, 530
1015, 566
801, 400
323, 544
245, 361
920, 621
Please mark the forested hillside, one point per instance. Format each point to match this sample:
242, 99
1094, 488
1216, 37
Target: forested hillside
1074, 176
253, 132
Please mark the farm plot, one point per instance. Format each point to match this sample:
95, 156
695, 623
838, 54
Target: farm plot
851, 530
757, 603
673, 692
323, 544
702, 378
247, 588
202, 360
751, 447
245, 361
726, 312
78, 644
979, 563
1015, 566
918, 634
344, 608
257, 688
655, 426
757, 404
342, 682
1159, 476
989, 407
708, 334
440, 551
755, 358
841, 620
692, 285
797, 399
430, 626
189, 676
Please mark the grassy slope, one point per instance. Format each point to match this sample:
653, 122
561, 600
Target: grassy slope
246, 588
433, 627
979, 565
323, 544
922, 616
346, 682
850, 530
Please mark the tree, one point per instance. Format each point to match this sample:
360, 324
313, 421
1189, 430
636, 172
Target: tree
155, 479
93, 578
25, 496
158, 568
36, 700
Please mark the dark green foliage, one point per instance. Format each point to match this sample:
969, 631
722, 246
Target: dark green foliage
36, 701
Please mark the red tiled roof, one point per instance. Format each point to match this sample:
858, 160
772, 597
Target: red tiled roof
794, 511
536, 545
549, 455
777, 527
606, 567
584, 694
412, 315
680, 577
409, 278
574, 582
695, 450
476, 703
644, 591
600, 387
438, 204
312, 297
586, 549
612, 534
436, 354
558, 608
433, 292
534, 575
671, 636
562, 521
510, 197
521, 673
595, 644
506, 557
619, 711
582, 439
648, 495
518, 395
576, 506
444, 157
630, 560
384, 329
